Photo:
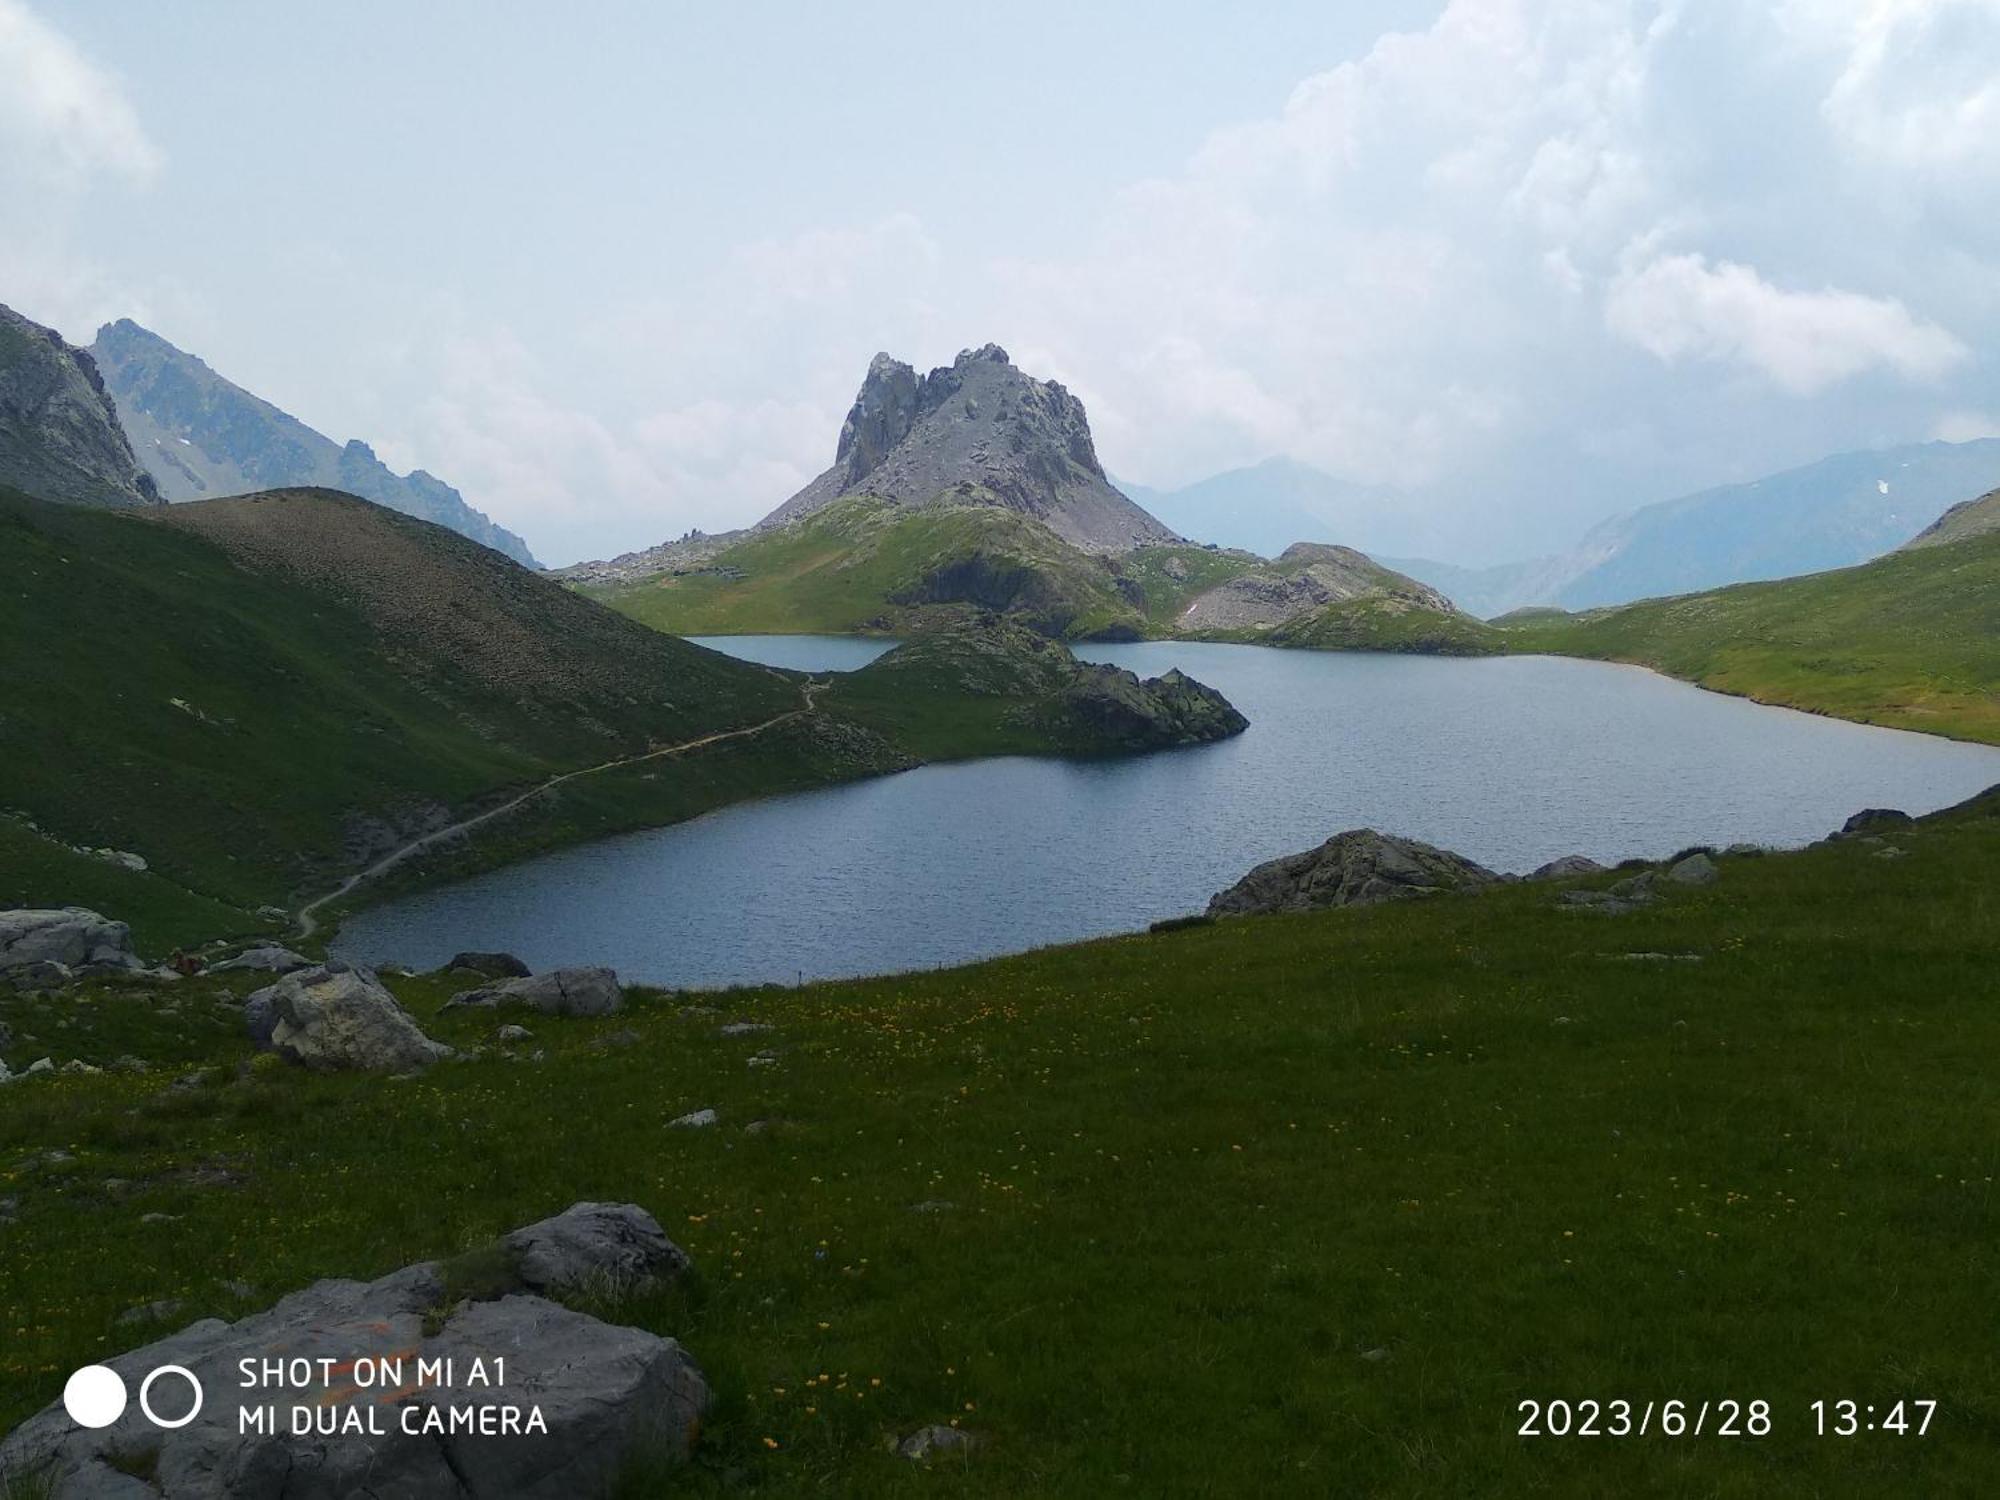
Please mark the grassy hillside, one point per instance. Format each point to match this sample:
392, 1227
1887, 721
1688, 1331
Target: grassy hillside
1911, 640
1286, 1206
256, 694
1386, 623
867, 565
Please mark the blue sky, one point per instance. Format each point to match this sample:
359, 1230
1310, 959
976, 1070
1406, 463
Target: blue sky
615, 270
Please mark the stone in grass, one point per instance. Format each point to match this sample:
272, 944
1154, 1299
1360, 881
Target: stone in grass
927, 1443
1564, 868
560, 992
744, 1028
269, 959
336, 1019
1696, 869
511, 1034
491, 965
591, 1246
604, 1398
73, 936
1874, 820
694, 1119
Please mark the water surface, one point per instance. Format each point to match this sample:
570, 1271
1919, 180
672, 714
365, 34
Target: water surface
1511, 761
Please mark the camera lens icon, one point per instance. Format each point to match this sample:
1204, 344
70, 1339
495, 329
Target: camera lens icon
95, 1396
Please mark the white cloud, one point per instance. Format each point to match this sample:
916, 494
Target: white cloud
66, 126
62, 118
1678, 307
1918, 85
1966, 426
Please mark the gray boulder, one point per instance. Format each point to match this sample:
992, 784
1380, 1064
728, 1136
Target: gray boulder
1696, 869
560, 992
492, 965
581, 1400
72, 936
1358, 868
928, 1442
590, 1245
1627, 895
269, 959
338, 1018
1564, 868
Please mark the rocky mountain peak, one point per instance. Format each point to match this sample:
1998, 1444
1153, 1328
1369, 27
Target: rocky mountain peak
59, 433
978, 425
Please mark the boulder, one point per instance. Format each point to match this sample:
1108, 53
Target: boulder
694, 1119
338, 1018
1696, 869
492, 965
269, 959
72, 936
927, 1442
560, 992
1564, 868
1628, 895
1358, 868
590, 1245
1874, 820
587, 1399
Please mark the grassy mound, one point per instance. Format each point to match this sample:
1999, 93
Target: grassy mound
1288, 1205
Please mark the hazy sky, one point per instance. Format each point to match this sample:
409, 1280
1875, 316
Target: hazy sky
615, 270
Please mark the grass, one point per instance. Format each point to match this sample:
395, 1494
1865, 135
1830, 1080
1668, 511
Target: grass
864, 565
1911, 640
1275, 1206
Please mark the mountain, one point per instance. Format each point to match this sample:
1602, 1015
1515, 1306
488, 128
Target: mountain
59, 433
1965, 520
982, 429
1268, 506
1830, 514
257, 695
1911, 639
201, 436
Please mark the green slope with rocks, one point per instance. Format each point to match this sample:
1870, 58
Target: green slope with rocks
1285, 1205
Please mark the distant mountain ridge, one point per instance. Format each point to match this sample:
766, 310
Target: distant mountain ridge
986, 429
201, 436
59, 434
1267, 506
1835, 513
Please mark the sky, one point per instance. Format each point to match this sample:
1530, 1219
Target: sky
616, 270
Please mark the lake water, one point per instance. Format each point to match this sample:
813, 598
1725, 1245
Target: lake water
1510, 761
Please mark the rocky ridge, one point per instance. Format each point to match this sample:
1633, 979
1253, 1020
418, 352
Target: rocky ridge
979, 421
1967, 519
201, 436
59, 433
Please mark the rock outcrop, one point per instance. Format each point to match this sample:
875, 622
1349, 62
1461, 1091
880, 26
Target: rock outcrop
1080, 707
1306, 577
266, 959
78, 939
982, 425
338, 1019
1963, 522
59, 433
560, 992
199, 436
581, 1399
492, 965
1358, 868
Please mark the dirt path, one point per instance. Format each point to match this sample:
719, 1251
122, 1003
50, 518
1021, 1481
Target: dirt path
308, 920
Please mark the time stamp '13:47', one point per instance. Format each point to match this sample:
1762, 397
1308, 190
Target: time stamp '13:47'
1720, 1418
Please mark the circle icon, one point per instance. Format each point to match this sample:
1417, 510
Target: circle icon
94, 1396
146, 1390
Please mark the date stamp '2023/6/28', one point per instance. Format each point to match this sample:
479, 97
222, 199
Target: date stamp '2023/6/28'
1726, 1417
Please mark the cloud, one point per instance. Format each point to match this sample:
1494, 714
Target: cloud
1679, 307
62, 118
1918, 83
